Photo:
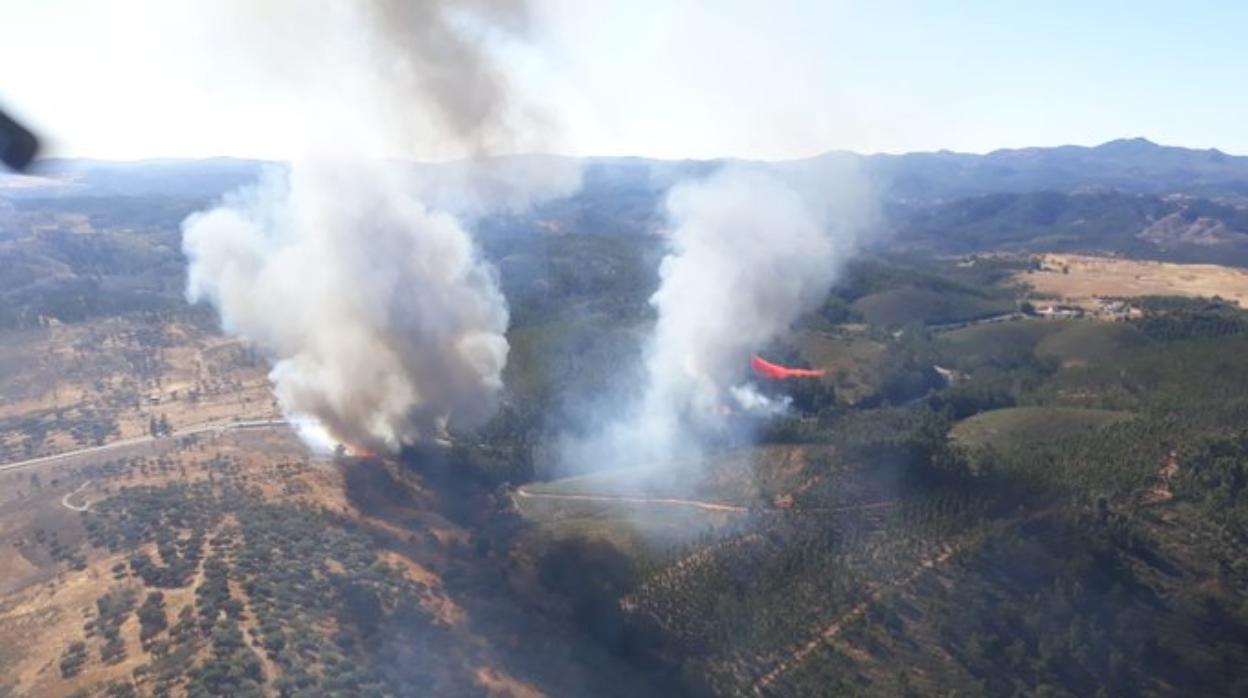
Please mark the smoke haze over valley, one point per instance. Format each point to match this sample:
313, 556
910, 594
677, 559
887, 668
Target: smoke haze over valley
537, 348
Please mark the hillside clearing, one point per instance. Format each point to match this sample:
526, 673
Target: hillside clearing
1081, 279
1015, 426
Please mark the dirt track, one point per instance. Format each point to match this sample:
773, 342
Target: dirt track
76, 507
717, 507
704, 506
830, 632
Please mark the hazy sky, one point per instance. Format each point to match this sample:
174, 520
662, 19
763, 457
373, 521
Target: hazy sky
692, 78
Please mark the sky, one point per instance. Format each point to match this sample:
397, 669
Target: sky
680, 78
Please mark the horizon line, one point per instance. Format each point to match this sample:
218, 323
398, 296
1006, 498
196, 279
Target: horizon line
154, 159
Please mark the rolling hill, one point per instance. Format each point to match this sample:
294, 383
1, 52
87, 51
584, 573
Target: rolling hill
1172, 227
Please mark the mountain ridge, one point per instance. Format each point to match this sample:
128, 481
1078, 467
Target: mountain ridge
1136, 165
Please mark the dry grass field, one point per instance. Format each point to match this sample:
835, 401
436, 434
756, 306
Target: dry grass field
91, 525
1081, 279
53, 578
68, 386
45, 601
59, 382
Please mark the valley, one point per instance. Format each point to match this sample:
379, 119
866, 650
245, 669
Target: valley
980, 495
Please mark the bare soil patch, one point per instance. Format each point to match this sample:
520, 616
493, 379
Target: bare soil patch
1082, 279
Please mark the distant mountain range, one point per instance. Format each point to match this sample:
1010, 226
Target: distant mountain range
1134, 165
1131, 196
1173, 227
165, 177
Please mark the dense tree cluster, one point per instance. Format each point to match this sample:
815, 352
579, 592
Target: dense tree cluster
114, 607
1061, 580
1171, 318
72, 659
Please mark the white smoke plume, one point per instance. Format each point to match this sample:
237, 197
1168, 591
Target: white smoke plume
751, 250
347, 267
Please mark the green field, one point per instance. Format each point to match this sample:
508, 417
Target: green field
902, 306
646, 534
1016, 426
740, 477
855, 363
648, 512
628, 509
1089, 341
1069, 342
1000, 337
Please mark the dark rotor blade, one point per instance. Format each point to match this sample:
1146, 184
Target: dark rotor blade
18, 146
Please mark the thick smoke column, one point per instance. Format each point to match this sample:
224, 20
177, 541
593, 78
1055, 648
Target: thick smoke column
751, 250
382, 320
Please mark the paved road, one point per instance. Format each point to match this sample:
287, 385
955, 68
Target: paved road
218, 427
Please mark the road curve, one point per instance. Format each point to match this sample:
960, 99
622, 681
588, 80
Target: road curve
219, 427
704, 506
698, 504
76, 507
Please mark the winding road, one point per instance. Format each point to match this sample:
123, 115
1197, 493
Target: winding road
621, 499
218, 427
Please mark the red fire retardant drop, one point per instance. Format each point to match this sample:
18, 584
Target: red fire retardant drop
766, 369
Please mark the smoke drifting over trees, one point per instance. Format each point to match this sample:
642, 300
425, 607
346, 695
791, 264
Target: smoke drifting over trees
382, 320
750, 252
359, 278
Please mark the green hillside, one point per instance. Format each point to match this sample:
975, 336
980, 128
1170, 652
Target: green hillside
1077, 530
1091, 341
1179, 229
1018, 426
